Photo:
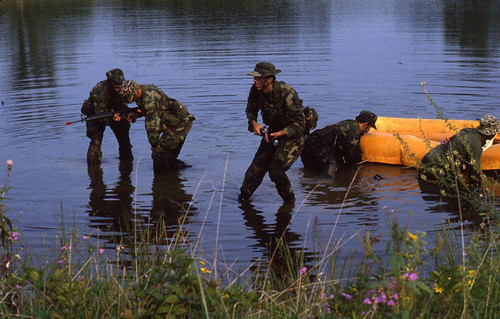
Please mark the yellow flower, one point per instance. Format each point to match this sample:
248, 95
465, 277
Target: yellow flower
469, 282
205, 270
412, 237
438, 289
472, 273
202, 263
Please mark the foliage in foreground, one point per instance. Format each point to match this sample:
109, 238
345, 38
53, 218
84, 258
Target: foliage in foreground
158, 278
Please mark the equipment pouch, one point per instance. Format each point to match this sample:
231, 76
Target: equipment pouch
87, 108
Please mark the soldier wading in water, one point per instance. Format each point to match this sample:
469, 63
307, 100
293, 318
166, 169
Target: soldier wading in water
104, 98
167, 122
283, 112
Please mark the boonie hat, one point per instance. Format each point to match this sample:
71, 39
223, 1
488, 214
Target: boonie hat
489, 125
264, 69
367, 117
128, 89
115, 75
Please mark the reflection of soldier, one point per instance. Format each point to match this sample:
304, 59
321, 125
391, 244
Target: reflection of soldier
167, 122
336, 146
460, 156
104, 98
113, 203
283, 112
276, 240
170, 201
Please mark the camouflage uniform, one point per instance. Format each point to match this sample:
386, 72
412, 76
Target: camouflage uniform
166, 117
103, 98
282, 110
459, 157
336, 146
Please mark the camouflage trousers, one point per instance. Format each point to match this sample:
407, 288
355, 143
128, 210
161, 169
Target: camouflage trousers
95, 131
275, 161
171, 143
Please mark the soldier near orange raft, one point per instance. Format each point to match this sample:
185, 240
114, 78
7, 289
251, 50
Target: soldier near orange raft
283, 112
167, 122
104, 98
460, 157
337, 146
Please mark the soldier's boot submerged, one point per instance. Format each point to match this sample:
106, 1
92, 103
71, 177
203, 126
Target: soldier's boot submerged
283, 185
125, 152
94, 153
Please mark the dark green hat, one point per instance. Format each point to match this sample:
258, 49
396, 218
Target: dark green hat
489, 125
367, 117
264, 69
115, 75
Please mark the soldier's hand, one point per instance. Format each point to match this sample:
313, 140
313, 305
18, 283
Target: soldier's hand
278, 134
131, 117
256, 128
116, 117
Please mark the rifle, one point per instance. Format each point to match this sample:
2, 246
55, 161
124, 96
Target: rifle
265, 131
123, 115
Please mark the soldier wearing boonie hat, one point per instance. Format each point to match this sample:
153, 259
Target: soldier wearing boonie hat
337, 146
460, 156
104, 98
167, 122
282, 111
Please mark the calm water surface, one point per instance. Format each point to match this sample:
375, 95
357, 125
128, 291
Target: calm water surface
341, 57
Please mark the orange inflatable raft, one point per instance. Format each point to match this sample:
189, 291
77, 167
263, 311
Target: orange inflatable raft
416, 137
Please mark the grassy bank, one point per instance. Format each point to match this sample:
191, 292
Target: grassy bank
153, 275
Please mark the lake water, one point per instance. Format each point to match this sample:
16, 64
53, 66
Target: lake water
340, 56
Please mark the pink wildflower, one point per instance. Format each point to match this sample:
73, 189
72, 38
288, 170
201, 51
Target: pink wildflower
303, 271
347, 296
367, 301
60, 261
14, 235
101, 251
10, 162
390, 303
413, 276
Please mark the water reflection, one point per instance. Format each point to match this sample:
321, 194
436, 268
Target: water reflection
171, 203
280, 246
111, 209
467, 23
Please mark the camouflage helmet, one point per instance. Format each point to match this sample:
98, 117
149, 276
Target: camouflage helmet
489, 125
115, 75
263, 69
367, 117
128, 90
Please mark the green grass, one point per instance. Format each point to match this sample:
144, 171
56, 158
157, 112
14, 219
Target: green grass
157, 276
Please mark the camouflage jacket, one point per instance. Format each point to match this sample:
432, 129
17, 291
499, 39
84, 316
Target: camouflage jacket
281, 110
339, 141
162, 113
463, 149
102, 99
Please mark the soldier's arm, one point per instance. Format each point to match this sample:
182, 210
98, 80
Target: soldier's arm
152, 120
252, 111
295, 113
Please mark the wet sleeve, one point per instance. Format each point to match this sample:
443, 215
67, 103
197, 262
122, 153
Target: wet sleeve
152, 117
252, 109
295, 113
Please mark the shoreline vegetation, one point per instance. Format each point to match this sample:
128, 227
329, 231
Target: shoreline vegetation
419, 275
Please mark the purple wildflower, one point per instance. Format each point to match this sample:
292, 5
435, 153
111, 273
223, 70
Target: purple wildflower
303, 271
